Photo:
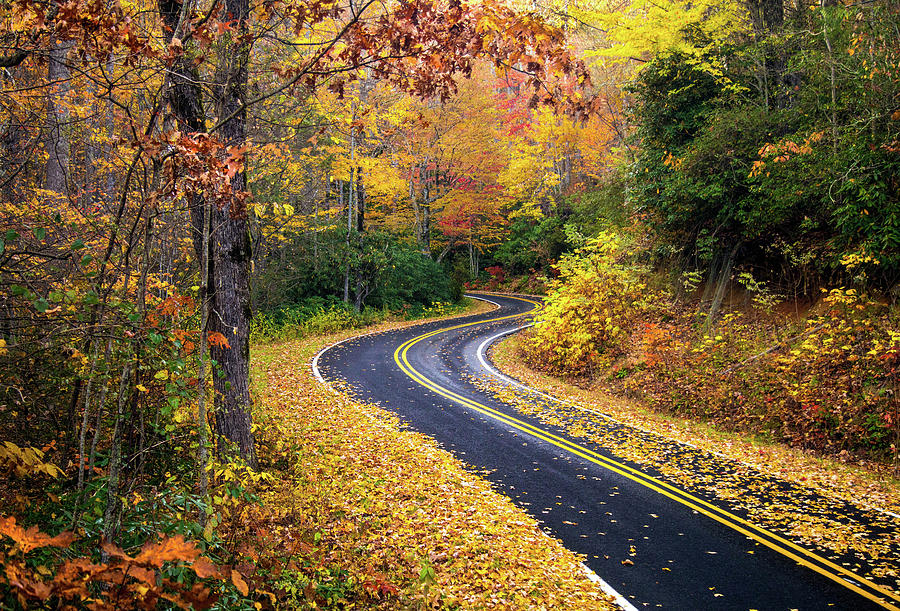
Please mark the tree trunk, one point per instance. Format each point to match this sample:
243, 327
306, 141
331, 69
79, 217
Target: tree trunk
185, 98
347, 244
826, 17
315, 233
202, 440
425, 239
231, 312
415, 204
722, 284
13, 158
113, 502
360, 202
768, 21
56, 140
360, 195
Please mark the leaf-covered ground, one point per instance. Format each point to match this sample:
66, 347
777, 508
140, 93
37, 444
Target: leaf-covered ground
845, 511
368, 514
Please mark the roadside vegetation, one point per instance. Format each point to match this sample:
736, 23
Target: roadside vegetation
707, 192
825, 380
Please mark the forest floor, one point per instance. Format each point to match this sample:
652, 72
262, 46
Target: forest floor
364, 512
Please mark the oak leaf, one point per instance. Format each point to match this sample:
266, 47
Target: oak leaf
32, 538
168, 550
205, 569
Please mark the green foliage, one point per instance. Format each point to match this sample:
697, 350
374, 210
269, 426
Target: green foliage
313, 315
604, 207
532, 244
807, 164
405, 276
317, 316
386, 273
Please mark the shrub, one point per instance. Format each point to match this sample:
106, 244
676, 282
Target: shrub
591, 310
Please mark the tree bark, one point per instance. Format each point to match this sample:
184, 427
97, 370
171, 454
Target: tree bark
13, 158
722, 284
56, 140
360, 202
229, 252
231, 312
185, 99
826, 16
347, 243
768, 21
111, 514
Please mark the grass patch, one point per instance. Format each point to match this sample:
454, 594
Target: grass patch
317, 317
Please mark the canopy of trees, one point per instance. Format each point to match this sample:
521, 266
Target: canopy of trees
171, 169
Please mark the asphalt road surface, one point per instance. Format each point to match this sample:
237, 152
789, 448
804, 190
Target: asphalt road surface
655, 541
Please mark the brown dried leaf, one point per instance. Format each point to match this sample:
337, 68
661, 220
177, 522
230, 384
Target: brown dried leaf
115, 552
168, 550
200, 597
33, 538
204, 568
238, 581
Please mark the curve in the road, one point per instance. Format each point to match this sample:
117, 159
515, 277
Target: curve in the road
840, 575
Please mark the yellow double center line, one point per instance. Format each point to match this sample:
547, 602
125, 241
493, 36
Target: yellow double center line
801, 555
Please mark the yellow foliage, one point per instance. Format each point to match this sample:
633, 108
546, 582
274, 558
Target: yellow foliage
643, 29
591, 308
25, 461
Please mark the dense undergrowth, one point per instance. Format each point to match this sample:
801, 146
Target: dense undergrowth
826, 381
347, 510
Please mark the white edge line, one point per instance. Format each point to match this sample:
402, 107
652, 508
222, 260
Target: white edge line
590, 574
608, 589
493, 371
314, 364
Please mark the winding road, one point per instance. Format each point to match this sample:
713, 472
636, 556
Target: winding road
655, 538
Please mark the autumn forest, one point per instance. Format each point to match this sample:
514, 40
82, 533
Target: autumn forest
198, 196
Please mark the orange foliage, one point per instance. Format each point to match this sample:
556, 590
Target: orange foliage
129, 582
218, 340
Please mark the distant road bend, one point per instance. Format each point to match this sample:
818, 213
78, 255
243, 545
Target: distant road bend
657, 542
